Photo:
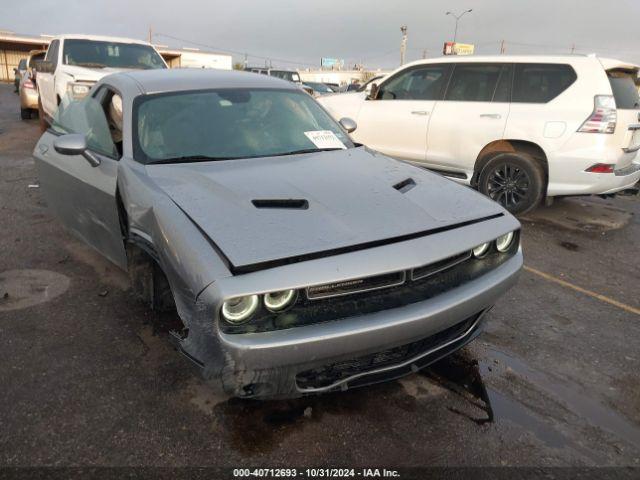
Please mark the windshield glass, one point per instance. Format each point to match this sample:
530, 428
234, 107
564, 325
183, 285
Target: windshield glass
624, 89
94, 54
231, 123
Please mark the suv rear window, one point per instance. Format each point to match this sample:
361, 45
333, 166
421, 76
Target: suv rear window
541, 82
624, 89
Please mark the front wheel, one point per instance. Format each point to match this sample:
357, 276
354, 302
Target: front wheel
514, 180
25, 114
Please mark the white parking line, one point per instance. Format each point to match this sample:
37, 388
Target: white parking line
602, 298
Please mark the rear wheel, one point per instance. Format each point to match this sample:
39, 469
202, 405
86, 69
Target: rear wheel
25, 114
514, 180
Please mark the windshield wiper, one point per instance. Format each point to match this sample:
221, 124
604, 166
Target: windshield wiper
190, 158
306, 150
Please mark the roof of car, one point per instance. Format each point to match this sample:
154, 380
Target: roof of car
183, 79
559, 58
101, 38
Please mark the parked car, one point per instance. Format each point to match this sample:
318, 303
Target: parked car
518, 128
298, 262
289, 75
27, 89
74, 63
317, 88
19, 72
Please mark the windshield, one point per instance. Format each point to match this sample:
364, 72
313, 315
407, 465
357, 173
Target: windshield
231, 123
624, 89
286, 75
95, 54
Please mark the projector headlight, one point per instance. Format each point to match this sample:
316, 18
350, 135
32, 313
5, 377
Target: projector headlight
238, 310
504, 242
275, 301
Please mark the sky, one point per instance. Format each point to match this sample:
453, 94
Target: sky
297, 33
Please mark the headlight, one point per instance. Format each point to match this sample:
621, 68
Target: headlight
78, 90
481, 250
504, 242
238, 310
279, 300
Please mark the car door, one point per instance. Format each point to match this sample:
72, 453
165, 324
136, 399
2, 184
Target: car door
473, 114
396, 121
84, 196
46, 84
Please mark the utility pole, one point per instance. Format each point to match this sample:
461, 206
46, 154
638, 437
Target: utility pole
150, 34
458, 17
573, 48
246, 61
424, 53
501, 47
403, 45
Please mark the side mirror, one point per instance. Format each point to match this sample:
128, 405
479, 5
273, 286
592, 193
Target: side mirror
75, 144
348, 124
373, 93
44, 66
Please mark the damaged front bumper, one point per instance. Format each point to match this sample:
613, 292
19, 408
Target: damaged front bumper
351, 352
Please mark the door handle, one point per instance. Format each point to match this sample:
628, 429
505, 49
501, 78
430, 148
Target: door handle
43, 148
419, 112
491, 115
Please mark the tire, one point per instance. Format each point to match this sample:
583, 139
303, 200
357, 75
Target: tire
41, 120
514, 180
25, 114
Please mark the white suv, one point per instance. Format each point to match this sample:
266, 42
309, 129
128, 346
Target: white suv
73, 63
518, 128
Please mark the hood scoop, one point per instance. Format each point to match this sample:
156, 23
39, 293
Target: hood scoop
405, 185
282, 203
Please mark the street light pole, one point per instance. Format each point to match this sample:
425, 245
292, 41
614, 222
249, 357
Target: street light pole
458, 17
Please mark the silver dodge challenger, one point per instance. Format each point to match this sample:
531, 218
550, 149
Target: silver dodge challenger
298, 261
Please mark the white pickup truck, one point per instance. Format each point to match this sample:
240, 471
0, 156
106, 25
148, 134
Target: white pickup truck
75, 62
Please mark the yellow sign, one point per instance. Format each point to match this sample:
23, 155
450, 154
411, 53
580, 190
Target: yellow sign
463, 49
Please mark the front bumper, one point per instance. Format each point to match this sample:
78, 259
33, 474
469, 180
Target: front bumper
269, 364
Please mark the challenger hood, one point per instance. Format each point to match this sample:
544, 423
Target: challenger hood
262, 211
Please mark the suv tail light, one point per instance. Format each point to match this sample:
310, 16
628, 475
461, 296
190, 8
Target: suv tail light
600, 168
28, 84
604, 116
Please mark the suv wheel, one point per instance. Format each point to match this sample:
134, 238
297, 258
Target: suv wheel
25, 113
514, 180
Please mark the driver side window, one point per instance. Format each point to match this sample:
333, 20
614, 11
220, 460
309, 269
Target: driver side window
87, 117
419, 83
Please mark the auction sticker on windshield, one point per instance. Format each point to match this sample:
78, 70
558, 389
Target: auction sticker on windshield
325, 139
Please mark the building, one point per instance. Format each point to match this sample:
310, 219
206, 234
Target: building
14, 47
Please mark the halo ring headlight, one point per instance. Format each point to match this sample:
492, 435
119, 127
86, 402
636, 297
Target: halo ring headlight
238, 310
503, 242
481, 250
275, 301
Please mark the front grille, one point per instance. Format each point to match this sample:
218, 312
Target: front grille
433, 268
330, 374
356, 285
434, 280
